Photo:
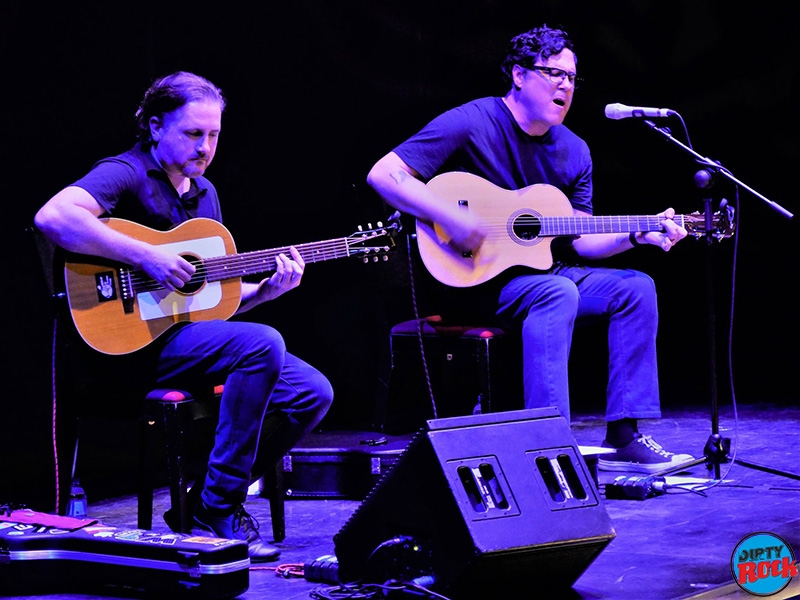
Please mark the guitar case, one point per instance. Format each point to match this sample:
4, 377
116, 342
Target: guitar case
340, 464
42, 554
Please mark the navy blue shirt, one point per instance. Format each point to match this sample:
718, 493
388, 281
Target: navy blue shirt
483, 138
133, 186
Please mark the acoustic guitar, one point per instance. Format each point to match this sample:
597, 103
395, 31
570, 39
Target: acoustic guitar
521, 226
117, 309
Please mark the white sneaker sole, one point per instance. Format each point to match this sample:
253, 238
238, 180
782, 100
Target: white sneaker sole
631, 467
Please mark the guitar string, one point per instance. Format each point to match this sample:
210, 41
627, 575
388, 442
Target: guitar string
563, 225
216, 268
566, 225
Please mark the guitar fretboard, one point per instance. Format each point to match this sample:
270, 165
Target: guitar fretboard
555, 226
261, 261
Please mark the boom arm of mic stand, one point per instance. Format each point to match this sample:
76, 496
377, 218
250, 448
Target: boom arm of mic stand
708, 163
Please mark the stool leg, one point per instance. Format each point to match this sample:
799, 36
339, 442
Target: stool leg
273, 489
485, 378
174, 428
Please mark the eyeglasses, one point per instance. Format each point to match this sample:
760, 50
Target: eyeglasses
558, 75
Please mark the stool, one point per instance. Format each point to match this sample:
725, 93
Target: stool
471, 370
173, 411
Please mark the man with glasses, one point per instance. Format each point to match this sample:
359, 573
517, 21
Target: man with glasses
513, 142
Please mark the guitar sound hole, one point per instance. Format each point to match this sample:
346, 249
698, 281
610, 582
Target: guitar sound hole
526, 227
198, 279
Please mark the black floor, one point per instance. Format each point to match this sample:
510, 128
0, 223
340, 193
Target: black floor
676, 545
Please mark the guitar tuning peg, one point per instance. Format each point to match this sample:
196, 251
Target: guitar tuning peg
380, 224
365, 260
369, 225
360, 228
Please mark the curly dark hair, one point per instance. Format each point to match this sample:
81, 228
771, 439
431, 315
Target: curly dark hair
537, 44
170, 93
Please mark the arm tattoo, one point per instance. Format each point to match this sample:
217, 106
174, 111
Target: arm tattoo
399, 176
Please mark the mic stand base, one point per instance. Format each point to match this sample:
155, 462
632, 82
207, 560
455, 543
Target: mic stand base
716, 453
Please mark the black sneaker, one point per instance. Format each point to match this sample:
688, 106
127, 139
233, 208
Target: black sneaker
642, 455
239, 525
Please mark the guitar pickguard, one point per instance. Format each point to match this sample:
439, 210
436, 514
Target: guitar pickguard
163, 303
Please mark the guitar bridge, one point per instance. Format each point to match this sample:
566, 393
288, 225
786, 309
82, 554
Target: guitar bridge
127, 294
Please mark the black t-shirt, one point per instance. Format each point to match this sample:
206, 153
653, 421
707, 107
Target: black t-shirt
132, 186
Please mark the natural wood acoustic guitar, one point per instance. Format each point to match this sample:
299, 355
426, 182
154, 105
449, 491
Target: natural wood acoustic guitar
117, 309
521, 226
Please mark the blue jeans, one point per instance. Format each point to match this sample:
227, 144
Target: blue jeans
270, 401
545, 308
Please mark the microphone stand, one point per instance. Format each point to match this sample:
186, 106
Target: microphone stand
717, 447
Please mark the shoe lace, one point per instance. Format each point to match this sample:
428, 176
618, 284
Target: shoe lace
653, 445
245, 521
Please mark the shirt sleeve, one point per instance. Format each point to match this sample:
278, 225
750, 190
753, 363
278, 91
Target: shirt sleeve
429, 149
108, 181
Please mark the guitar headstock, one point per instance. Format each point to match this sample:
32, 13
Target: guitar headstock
374, 243
722, 223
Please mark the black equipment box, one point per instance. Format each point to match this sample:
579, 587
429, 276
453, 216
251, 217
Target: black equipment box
47, 559
340, 464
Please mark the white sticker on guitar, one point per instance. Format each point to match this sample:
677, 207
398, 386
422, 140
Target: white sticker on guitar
163, 303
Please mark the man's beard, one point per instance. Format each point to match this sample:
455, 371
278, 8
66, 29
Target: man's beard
194, 168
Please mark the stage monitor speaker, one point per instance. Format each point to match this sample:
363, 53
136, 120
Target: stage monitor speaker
497, 504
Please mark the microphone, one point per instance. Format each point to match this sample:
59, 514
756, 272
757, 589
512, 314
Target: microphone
620, 111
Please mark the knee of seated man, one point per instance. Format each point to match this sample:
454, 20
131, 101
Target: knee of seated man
323, 393
534, 291
640, 287
268, 338
259, 342
562, 292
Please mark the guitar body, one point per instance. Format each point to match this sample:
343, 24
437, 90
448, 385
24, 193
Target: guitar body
112, 323
508, 242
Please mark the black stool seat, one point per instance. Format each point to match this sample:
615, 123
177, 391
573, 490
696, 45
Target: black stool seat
434, 326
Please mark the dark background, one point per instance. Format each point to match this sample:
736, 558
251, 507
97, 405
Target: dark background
318, 90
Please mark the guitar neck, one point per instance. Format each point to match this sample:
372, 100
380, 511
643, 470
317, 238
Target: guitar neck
557, 226
260, 261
